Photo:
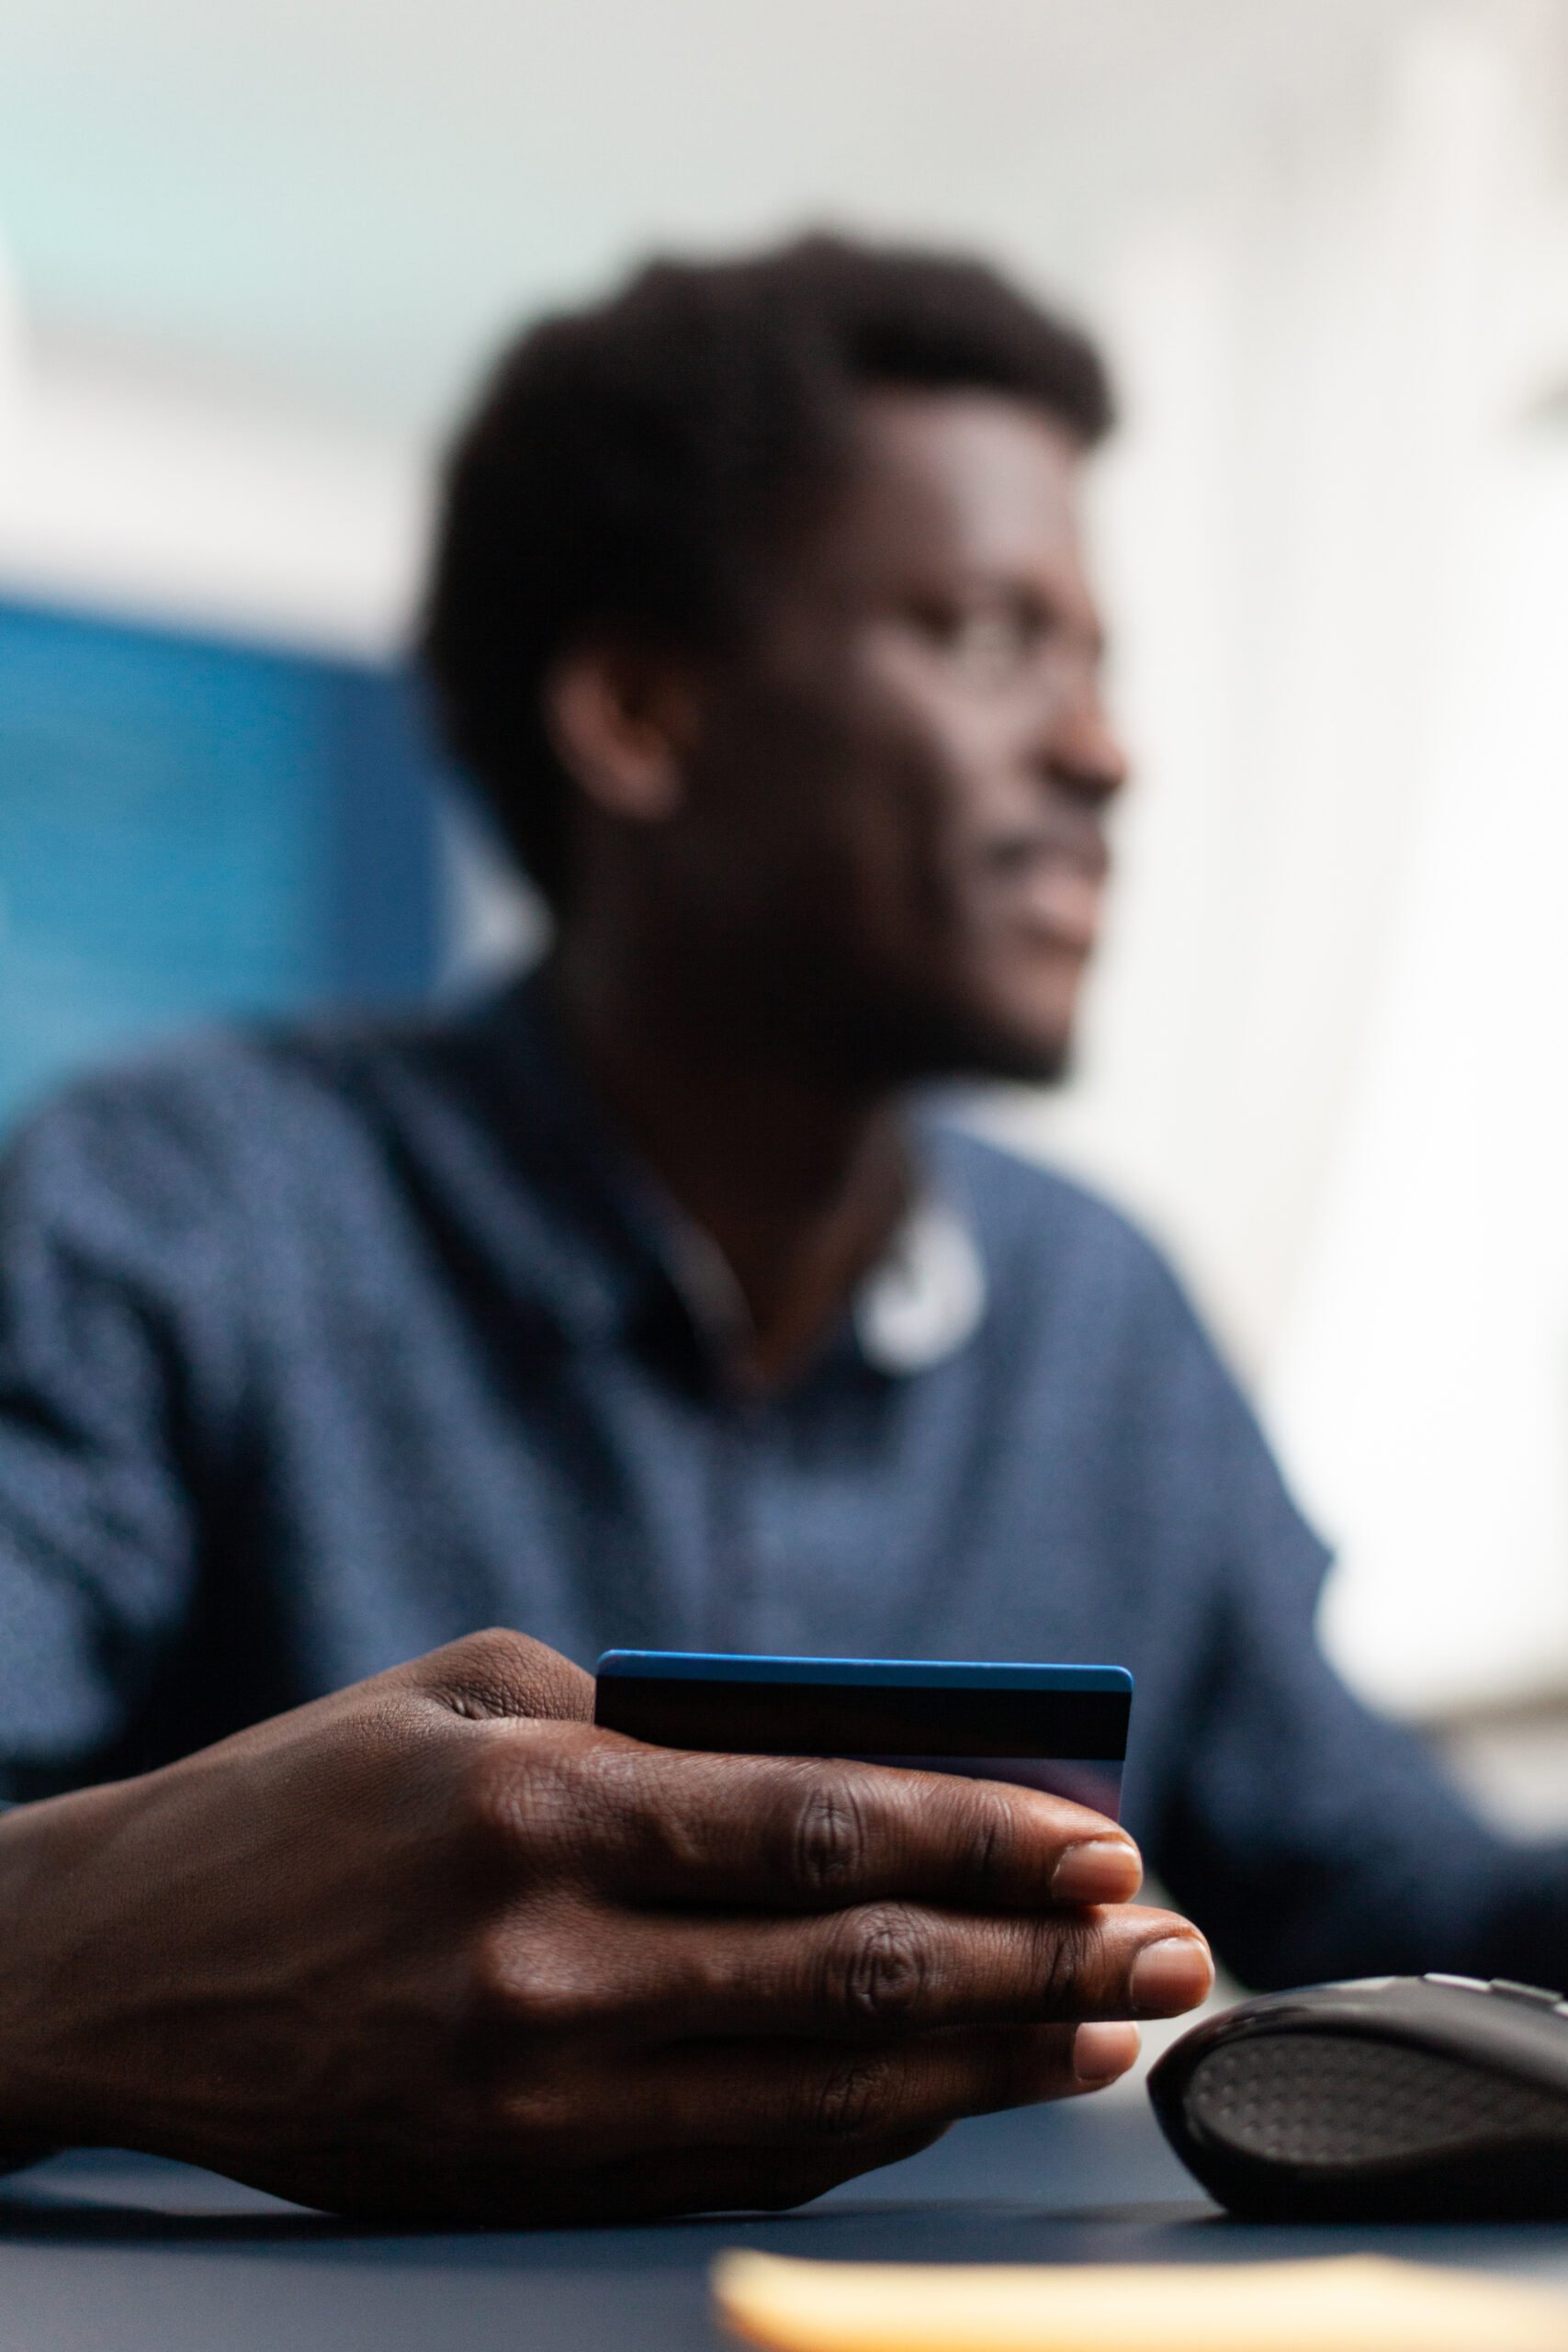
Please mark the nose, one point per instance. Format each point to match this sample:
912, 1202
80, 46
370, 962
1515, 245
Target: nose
1083, 754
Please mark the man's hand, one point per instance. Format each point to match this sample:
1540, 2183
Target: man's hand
438, 1948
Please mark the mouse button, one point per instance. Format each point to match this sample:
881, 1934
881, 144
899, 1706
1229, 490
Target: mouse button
1536, 1994
1520, 2037
1457, 1983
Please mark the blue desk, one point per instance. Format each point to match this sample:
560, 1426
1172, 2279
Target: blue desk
114, 2251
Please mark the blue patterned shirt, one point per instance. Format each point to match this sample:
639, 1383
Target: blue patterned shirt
319, 1348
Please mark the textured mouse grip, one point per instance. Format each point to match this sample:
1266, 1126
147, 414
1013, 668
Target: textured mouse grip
1327, 2100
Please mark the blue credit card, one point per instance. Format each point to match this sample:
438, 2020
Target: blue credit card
1060, 1728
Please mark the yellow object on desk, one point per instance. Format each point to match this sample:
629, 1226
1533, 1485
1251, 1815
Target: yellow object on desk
1360, 2303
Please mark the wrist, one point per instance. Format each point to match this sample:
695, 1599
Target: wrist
43, 1847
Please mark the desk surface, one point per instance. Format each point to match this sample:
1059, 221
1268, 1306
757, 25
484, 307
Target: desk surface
106, 2249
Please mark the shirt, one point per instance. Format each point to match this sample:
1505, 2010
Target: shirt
321, 1347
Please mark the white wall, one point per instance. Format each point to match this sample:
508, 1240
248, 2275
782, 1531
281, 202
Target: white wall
1422, 1373
1328, 1056
353, 197
125, 491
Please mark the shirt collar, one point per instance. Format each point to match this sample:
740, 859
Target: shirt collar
926, 1295
920, 1303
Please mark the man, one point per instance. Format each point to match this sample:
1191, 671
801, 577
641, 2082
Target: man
644, 1304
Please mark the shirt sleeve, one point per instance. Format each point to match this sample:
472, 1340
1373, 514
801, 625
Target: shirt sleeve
111, 1301
1309, 1836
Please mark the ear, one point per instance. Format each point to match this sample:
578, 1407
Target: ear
623, 721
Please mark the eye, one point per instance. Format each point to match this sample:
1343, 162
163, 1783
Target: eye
990, 644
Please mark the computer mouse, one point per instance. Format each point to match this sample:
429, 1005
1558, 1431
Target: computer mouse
1388, 2098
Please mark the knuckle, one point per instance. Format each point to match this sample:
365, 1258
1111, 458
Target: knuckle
490, 1798
491, 1975
880, 1967
507, 1984
664, 1820
1068, 1975
508, 1798
516, 1805
991, 1854
829, 1838
856, 2100
541, 1983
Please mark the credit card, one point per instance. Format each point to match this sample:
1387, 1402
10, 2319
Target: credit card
1060, 1728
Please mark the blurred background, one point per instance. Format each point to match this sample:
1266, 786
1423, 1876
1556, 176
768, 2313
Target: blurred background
251, 258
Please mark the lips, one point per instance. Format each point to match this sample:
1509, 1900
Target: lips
1054, 889
1064, 901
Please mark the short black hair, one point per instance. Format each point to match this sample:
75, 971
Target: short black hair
625, 463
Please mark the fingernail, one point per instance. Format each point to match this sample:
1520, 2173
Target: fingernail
1172, 1976
1100, 2053
1102, 1869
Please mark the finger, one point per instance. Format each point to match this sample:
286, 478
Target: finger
1103, 2053
815, 2095
670, 1826
902, 1968
861, 1973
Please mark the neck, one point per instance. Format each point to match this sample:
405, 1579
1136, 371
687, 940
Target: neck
797, 1179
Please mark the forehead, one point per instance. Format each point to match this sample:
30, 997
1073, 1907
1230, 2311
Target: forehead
965, 482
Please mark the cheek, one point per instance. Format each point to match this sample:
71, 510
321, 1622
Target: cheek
842, 828
840, 807
913, 805
902, 837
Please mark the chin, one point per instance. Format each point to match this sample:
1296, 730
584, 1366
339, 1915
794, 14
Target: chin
1024, 1056
916, 1043
1023, 1033
1028, 1031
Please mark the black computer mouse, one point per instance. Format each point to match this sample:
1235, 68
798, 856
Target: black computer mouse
1387, 2098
